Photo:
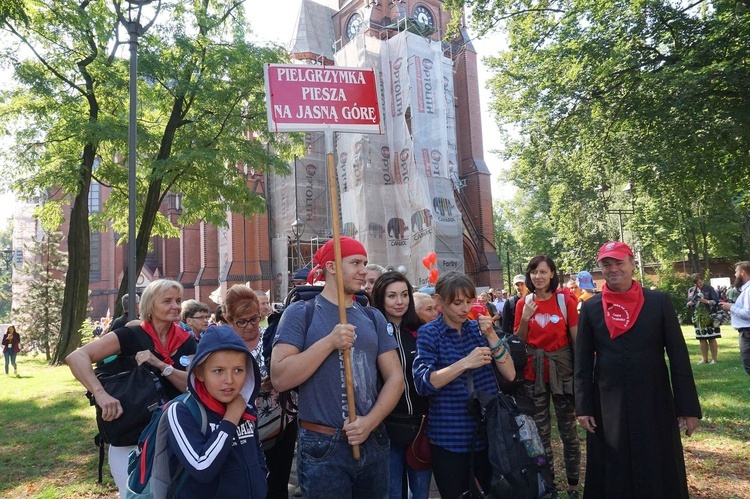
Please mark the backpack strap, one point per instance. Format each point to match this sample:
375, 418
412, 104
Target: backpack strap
180, 478
562, 306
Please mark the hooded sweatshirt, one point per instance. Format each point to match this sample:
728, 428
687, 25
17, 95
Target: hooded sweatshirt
227, 461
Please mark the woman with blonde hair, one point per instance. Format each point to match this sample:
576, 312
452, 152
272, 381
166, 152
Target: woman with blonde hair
159, 342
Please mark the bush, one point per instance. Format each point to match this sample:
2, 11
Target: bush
676, 286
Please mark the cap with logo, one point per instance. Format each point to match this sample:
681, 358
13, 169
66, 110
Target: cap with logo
614, 249
519, 278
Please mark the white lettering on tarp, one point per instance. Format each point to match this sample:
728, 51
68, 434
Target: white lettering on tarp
397, 105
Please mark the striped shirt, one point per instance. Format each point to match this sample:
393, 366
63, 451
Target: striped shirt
449, 424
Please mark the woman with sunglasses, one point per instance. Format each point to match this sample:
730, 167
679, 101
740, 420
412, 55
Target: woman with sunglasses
243, 313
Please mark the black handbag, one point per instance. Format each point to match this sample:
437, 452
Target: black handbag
402, 429
139, 391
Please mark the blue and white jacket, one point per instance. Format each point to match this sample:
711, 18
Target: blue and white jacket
226, 462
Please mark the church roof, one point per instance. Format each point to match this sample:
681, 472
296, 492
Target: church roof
313, 32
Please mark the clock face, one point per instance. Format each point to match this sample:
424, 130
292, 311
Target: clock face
424, 16
354, 25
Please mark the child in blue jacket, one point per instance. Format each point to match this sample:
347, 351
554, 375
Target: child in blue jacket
227, 461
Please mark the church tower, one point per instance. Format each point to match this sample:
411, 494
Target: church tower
453, 167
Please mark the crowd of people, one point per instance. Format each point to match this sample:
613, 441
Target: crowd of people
597, 357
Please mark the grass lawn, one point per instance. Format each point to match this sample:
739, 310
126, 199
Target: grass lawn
47, 449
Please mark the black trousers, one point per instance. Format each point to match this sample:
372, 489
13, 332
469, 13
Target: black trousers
451, 471
745, 347
279, 462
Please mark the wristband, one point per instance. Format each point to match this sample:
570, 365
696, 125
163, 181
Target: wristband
499, 343
501, 354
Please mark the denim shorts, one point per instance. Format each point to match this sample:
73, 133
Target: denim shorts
326, 467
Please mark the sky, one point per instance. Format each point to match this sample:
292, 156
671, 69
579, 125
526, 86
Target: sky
267, 25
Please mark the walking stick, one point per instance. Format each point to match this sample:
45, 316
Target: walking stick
333, 198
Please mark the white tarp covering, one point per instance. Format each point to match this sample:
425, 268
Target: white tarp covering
396, 191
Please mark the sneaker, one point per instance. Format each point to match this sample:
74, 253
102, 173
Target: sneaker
702, 362
714, 361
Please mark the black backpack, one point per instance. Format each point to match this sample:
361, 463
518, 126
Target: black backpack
515, 475
139, 391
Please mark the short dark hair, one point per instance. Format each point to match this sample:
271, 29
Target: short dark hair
410, 320
743, 265
533, 264
451, 283
696, 277
192, 307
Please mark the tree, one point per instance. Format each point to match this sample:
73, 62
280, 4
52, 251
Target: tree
40, 307
617, 91
207, 92
201, 93
6, 295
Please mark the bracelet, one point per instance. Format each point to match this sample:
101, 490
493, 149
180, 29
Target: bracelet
500, 342
501, 354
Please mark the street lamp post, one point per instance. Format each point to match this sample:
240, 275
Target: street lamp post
605, 194
298, 228
131, 20
7, 257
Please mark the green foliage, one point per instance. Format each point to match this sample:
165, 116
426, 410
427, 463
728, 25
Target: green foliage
200, 93
40, 305
616, 91
675, 286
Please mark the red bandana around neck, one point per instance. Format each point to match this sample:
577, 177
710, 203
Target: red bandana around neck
213, 404
621, 309
175, 338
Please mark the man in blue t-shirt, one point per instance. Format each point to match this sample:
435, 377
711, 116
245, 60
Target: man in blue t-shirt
312, 359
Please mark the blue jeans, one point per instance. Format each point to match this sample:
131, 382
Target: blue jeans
10, 355
419, 481
326, 468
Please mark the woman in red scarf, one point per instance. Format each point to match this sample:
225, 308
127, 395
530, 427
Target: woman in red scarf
547, 320
158, 341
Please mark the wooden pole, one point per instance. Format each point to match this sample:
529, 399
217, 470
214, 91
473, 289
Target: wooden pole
333, 198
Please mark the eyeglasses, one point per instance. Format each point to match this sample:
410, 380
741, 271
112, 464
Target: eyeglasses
254, 320
200, 317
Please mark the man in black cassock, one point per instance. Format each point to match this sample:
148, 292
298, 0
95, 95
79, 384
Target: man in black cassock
624, 398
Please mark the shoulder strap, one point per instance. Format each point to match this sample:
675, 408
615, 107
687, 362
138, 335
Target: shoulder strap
309, 311
196, 410
562, 306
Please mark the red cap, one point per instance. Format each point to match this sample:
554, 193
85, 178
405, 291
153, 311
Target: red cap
614, 249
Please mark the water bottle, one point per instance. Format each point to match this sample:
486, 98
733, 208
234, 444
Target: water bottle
529, 435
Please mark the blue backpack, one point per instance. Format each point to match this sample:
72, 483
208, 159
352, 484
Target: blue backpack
148, 464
